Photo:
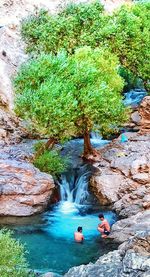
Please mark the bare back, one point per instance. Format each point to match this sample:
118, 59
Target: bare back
78, 237
105, 225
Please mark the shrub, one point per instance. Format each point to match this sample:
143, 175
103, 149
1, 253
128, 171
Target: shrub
51, 162
12, 256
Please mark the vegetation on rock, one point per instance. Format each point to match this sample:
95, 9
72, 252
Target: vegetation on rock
12, 258
50, 161
66, 95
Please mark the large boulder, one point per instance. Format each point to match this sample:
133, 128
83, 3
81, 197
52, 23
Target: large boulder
24, 190
129, 227
122, 177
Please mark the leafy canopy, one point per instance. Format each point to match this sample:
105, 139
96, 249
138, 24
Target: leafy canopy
126, 32
64, 95
75, 26
12, 259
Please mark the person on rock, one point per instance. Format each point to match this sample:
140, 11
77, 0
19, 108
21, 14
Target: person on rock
78, 236
104, 227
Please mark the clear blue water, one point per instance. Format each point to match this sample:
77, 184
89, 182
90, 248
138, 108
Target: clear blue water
49, 237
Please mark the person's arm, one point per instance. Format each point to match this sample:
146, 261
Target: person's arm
82, 237
101, 225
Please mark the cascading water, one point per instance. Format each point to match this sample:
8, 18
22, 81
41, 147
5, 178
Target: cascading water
134, 97
73, 184
75, 190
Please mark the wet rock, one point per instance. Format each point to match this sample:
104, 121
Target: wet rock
135, 117
106, 194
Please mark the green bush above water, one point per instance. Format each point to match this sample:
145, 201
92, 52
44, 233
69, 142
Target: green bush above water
12, 257
51, 162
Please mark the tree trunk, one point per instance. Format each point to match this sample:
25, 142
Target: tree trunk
88, 149
146, 86
46, 146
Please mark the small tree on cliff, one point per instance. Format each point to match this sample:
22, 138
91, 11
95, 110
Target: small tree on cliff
64, 96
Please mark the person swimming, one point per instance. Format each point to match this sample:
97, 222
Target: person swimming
104, 227
78, 236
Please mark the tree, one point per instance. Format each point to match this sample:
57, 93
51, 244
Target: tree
126, 33
12, 259
74, 26
64, 96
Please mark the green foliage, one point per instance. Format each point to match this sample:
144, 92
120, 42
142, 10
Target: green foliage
38, 145
75, 26
64, 95
126, 32
131, 81
128, 36
12, 259
51, 162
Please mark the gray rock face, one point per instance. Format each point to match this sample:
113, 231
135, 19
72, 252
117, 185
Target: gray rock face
24, 190
131, 260
11, 130
124, 184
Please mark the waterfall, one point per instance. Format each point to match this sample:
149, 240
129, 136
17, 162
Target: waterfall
95, 137
74, 185
134, 97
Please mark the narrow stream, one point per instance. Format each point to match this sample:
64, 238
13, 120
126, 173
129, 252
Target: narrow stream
49, 237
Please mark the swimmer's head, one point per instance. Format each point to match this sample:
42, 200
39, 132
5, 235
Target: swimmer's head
101, 216
79, 229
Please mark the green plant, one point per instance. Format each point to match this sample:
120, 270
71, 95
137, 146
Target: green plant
66, 95
12, 256
74, 26
131, 81
51, 162
126, 33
